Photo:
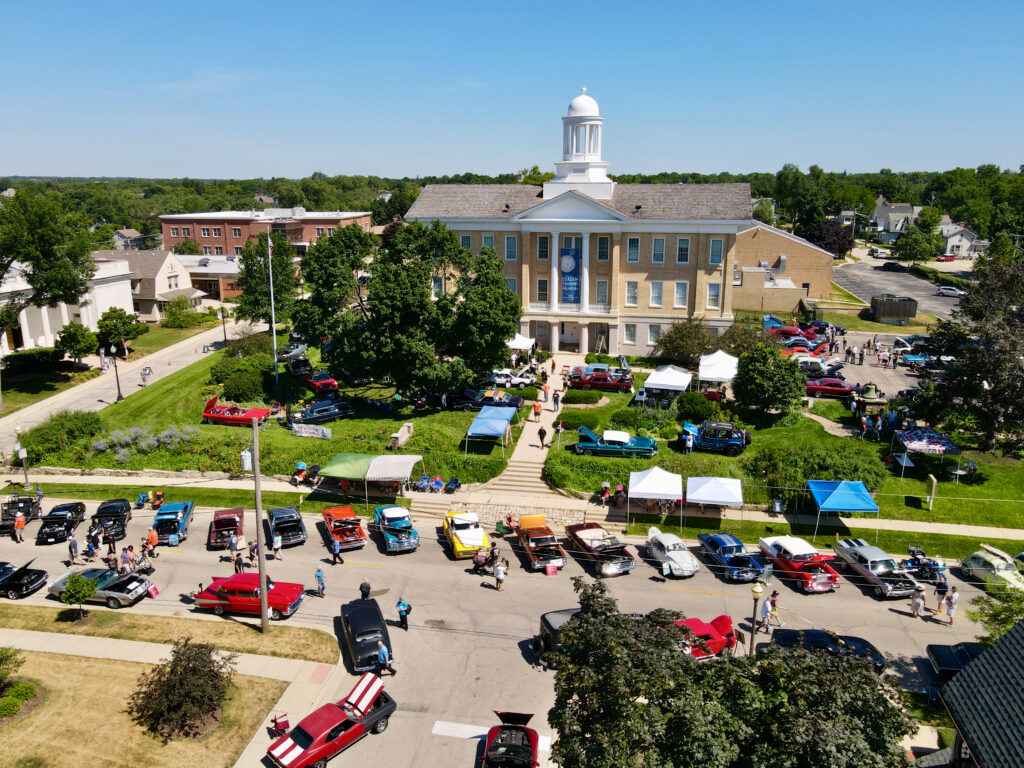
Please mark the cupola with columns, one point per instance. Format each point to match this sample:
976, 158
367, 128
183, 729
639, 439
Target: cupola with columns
581, 168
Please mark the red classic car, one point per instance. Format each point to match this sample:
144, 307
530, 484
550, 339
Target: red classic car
709, 640
232, 415
789, 331
801, 562
225, 522
240, 593
808, 349
602, 380
828, 388
320, 382
335, 727
511, 744
344, 527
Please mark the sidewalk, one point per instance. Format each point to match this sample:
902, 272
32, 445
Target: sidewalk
311, 684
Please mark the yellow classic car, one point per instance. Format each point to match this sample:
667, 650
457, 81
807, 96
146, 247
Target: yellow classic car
464, 534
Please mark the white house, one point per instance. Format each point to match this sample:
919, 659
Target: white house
111, 286
157, 277
962, 242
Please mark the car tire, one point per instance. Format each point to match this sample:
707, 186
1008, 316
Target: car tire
113, 604
219, 610
623, 390
275, 615
467, 408
380, 726
878, 592
588, 452
732, 450
520, 386
12, 594
320, 763
207, 421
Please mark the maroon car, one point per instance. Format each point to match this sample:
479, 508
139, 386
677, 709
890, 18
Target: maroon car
828, 388
225, 522
603, 381
321, 382
511, 744
790, 331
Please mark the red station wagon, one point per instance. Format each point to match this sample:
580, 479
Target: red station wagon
240, 594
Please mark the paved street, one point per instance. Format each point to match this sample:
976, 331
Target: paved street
866, 278
467, 649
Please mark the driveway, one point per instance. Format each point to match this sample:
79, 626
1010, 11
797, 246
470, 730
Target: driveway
866, 278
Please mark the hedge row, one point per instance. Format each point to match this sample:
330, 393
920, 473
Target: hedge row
580, 396
941, 278
39, 360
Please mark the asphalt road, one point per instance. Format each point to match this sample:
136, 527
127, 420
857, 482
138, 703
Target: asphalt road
467, 649
867, 278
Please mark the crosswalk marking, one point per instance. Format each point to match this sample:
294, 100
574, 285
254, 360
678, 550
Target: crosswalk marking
466, 731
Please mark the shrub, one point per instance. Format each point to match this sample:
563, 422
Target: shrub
250, 344
527, 393
786, 469
229, 365
626, 418
693, 406
179, 313
10, 662
579, 396
574, 418
21, 691
176, 697
642, 432
60, 431
591, 358
32, 360
244, 386
669, 432
942, 278
9, 707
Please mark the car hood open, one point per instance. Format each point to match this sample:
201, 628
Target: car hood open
514, 718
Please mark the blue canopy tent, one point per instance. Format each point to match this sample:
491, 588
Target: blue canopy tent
841, 496
492, 422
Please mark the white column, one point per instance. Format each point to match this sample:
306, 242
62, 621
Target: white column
584, 338
44, 314
585, 274
554, 333
26, 332
64, 317
613, 339
553, 282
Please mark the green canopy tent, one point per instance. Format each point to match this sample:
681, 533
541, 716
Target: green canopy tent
367, 468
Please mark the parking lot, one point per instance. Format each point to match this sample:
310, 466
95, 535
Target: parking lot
467, 649
866, 278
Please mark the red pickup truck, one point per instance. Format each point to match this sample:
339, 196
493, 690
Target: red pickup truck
602, 380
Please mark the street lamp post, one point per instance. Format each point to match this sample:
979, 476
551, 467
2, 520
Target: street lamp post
223, 324
117, 376
23, 454
757, 591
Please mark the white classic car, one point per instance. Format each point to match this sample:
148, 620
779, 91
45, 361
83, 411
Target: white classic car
669, 550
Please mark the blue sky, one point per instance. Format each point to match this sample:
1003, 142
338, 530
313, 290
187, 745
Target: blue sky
232, 89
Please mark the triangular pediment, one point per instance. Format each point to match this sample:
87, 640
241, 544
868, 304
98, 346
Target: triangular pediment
571, 206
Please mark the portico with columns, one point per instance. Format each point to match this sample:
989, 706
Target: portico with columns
598, 264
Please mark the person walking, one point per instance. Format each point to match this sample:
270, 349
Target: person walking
555, 399
536, 410
90, 551
384, 660
19, 527
952, 601
239, 565
689, 442
252, 553
72, 550
547, 389
111, 544
403, 613
364, 589
336, 558
774, 601
153, 540
125, 561
320, 585
499, 574
917, 602
542, 434
277, 547
233, 544
863, 427
552, 365
941, 590
766, 615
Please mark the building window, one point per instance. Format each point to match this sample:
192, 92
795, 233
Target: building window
436, 286
172, 282
714, 296
806, 287
653, 334
656, 294
602, 248
542, 329
601, 292
682, 292
488, 241
633, 249
319, 231
218, 251
216, 231
542, 290
236, 232
511, 248
658, 250
186, 232
572, 241
511, 283
174, 231
629, 333
683, 250
204, 232
466, 241
330, 230
238, 250
631, 293
543, 248
206, 250
716, 250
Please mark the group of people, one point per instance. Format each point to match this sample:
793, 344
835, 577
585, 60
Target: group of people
126, 562
879, 425
946, 599
490, 558
854, 355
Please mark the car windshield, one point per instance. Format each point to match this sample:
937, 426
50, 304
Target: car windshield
675, 546
368, 634
606, 543
6, 570
542, 541
106, 579
732, 549
301, 737
883, 566
465, 525
1005, 567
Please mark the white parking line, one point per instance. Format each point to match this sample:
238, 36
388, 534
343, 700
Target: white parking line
465, 731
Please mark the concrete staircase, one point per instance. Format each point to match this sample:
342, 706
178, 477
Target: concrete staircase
522, 476
433, 504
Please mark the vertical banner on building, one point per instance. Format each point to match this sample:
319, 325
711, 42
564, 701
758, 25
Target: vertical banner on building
570, 264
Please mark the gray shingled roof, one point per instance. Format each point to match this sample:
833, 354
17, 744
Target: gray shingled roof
985, 702
144, 264
656, 201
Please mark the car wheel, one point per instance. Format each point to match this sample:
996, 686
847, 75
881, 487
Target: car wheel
732, 450
878, 592
520, 386
588, 452
12, 594
112, 603
320, 763
219, 610
275, 615
207, 421
380, 726
623, 390
467, 408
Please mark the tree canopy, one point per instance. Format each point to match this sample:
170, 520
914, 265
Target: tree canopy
254, 280
768, 380
116, 328
76, 341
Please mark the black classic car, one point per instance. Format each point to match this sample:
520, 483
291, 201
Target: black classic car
300, 366
362, 625
113, 516
322, 412
60, 522
28, 506
821, 640
947, 660
18, 582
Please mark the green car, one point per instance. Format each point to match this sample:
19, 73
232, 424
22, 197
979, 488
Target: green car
613, 443
993, 567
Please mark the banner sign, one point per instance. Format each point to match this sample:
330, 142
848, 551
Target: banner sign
570, 265
312, 430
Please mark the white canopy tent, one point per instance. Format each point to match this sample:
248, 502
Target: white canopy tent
520, 342
669, 377
715, 491
654, 483
717, 367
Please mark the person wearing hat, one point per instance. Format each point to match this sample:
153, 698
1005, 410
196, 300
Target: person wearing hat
773, 600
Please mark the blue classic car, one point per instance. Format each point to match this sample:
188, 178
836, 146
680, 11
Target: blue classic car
613, 443
735, 563
322, 412
172, 522
395, 527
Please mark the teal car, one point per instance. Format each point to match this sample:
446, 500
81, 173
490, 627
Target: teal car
614, 443
994, 568
172, 522
395, 526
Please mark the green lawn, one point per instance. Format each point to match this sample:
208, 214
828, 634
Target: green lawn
21, 390
833, 410
159, 337
919, 324
838, 293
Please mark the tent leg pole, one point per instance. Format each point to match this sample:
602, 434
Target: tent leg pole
818, 520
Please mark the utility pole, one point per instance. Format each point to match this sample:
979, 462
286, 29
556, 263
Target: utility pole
264, 621
221, 315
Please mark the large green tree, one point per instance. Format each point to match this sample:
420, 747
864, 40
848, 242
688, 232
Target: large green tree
46, 247
997, 611
188, 246
627, 697
76, 341
684, 343
832, 236
254, 278
116, 328
768, 380
921, 241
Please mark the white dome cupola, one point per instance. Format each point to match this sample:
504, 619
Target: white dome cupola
581, 167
